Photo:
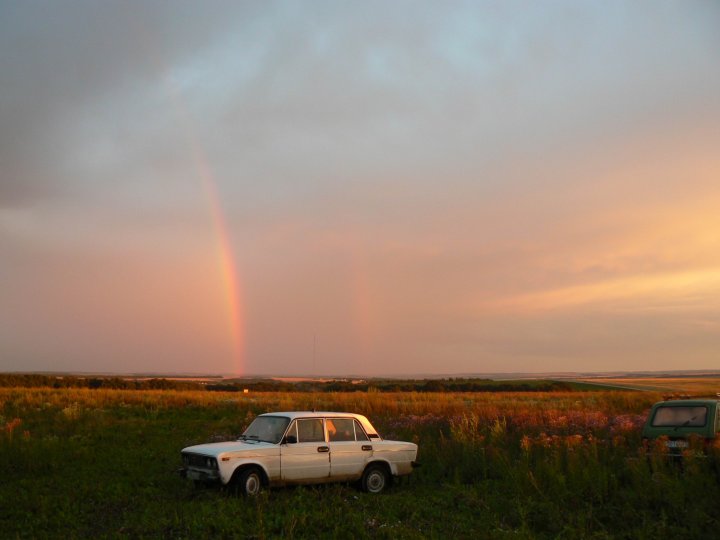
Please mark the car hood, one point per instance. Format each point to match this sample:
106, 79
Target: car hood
215, 449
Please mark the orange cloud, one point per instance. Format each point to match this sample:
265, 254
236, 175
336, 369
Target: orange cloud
671, 290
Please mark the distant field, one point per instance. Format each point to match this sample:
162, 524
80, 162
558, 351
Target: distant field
690, 385
84, 463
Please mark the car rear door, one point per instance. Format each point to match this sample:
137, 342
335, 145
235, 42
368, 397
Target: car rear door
350, 448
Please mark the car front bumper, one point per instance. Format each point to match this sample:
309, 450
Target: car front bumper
199, 475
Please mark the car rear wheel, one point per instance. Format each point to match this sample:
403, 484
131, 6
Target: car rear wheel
249, 483
375, 478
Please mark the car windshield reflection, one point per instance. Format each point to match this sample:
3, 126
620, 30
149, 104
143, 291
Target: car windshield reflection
266, 429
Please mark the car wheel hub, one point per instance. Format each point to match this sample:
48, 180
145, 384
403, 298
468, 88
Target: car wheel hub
376, 481
252, 485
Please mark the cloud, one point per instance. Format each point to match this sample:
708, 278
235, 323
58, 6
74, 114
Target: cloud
410, 181
669, 291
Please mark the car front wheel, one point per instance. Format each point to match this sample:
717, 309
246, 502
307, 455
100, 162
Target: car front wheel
249, 483
375, 479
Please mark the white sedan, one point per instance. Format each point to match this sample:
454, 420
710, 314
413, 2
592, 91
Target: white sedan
301, 448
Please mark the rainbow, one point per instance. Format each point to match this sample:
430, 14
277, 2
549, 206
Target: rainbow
232, 283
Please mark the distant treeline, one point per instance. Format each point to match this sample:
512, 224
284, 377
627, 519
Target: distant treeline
10, 380
425, 385
270, 385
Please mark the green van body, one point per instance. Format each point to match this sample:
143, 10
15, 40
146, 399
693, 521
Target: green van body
679, 420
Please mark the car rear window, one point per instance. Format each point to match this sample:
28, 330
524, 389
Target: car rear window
345, 429
340, 429
680, 416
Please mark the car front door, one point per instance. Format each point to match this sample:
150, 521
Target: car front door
308, 459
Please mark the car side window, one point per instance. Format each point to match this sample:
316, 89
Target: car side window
360, 432
310, 430
340, 429
292, 431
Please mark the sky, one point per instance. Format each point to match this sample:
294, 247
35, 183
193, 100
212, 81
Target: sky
359, 188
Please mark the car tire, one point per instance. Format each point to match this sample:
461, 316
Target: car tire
375, 478
249, 482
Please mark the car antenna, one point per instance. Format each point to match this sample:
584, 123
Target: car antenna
314, 409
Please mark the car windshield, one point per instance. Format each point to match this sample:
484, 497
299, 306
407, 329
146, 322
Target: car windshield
686, 416
266, 428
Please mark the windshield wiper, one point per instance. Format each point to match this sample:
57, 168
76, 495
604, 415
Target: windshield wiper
685, 423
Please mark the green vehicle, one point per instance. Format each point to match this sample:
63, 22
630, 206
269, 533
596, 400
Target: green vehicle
680, 420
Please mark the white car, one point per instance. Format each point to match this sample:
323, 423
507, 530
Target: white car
301, 448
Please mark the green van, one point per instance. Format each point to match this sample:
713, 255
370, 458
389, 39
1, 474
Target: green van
679, 420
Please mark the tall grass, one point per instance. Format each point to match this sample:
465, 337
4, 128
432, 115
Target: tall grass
80, 462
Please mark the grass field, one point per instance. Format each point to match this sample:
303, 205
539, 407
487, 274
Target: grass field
100, 463
689, 385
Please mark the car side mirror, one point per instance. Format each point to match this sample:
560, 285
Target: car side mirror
290, 439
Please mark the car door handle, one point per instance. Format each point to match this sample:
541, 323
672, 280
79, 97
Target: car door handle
366, 447
323, 449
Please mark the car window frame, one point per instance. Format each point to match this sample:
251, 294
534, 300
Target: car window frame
357, 424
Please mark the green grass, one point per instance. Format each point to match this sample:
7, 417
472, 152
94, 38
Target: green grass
101, 464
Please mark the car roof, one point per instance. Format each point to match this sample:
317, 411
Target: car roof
686, 402
313, 414
326, 414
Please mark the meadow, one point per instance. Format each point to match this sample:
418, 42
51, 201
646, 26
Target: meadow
706, 386
79, 462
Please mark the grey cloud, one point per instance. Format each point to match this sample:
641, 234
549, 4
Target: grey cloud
366, 88
459, 143
57, 59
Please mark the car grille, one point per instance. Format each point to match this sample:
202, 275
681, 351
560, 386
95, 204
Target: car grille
199, 461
